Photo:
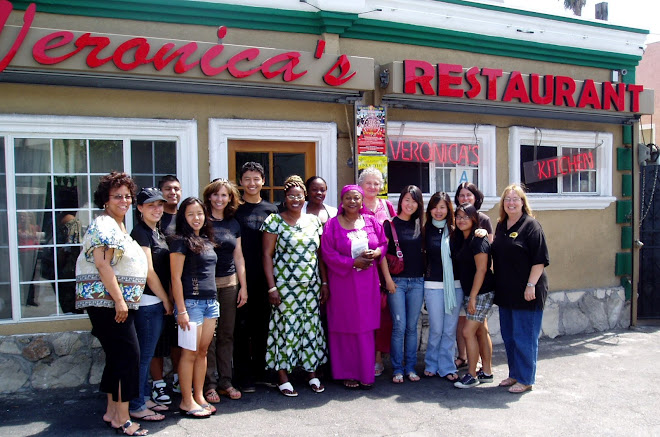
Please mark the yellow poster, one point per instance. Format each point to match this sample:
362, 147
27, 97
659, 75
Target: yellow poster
377, 161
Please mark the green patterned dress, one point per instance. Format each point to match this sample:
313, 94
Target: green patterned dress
295, 334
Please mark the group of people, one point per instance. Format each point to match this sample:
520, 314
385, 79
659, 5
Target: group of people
342, 285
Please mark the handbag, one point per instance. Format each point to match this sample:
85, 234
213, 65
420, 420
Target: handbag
394, 262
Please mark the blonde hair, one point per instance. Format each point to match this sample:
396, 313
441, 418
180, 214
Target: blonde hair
520, 191
294, 181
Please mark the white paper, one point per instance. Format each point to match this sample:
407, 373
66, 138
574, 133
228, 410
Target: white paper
358, 247
188, 339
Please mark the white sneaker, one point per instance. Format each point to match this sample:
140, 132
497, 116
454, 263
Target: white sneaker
158, 394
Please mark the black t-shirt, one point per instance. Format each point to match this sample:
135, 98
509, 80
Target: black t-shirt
225, 234
434, 267
168, 224
484, 223
463, 253
410, 242
160, 252
198, 276
515, 251
250, 217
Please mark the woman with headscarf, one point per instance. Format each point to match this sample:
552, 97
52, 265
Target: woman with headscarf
352, 247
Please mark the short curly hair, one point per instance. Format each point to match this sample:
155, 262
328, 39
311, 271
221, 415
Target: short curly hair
112, 181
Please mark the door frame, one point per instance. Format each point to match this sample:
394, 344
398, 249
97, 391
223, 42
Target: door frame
324, 135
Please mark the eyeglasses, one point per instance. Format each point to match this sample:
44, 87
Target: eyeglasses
512, 199
119, 197
294, 197
462, 218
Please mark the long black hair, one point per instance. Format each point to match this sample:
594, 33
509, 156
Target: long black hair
473, 215
196, 243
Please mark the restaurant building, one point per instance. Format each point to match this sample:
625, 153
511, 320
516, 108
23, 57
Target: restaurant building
463, 91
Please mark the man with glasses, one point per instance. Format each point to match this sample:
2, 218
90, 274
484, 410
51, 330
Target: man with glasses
252, 318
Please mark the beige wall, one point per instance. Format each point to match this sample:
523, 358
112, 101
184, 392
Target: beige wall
582, 243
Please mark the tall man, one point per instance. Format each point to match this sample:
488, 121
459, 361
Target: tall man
167, 343
252, 319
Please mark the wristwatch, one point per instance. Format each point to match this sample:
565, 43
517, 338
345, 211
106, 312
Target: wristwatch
529, 284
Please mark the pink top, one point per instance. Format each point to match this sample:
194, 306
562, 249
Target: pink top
384, 211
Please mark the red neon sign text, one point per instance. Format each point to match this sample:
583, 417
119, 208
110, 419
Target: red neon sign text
551, 168
429, 151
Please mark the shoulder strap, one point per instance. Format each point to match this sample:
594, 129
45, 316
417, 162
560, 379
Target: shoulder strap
395, 237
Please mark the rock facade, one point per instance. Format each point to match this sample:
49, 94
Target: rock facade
72, 359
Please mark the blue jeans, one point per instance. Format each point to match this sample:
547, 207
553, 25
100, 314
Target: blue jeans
148, 326
405, 306
520, 331
439, 356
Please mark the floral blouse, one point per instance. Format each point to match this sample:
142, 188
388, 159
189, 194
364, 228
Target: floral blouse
129, 264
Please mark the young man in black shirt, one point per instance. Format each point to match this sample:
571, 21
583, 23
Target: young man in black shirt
252, 319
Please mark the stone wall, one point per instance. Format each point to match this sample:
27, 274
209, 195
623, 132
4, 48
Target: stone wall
71, 359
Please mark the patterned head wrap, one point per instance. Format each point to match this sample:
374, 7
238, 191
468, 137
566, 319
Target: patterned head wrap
294, 181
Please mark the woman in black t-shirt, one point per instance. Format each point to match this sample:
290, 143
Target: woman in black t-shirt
472, 256
221, 198
520, 255
192, 264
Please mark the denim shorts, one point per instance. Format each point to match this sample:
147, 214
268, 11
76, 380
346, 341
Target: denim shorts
200, 309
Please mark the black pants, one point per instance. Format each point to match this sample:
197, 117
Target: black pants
122, 352
251, 334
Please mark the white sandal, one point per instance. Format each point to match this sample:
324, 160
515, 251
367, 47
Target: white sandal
287, 390
316, 386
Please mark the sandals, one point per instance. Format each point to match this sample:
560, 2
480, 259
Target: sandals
198, 413
209, 407
231, 393
316, 385
507, 382
413, 377
519, 388
397, 378
351, 383
212, 396
287, 390
460, 363
451, 377
123, 429
150, 417
379, 368
429, 374
157, 407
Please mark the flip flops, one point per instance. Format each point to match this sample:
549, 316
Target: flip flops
212, 396
351, 383
287, 390
198, 413
231, 393
397, 378
507, 382
519, 388
379, 368
316, 385
151, 417
413, 377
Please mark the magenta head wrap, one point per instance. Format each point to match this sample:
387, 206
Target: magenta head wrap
345, 190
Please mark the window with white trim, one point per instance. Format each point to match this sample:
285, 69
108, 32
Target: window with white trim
52, 167
438, 157
562, 169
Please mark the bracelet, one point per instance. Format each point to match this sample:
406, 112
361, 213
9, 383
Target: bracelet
270, 290
324, 283
529, 284
182, 313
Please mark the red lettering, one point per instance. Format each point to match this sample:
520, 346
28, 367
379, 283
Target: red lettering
439, 152
395, 154
474, 148
406, 152
99, 43
28, 18
161, 61
589, 158
412, 79
564, 90
426, 146
344, 66
491, 84
141, 47
561, 164
589, 95
292, 60
207, 57
475, 85
320, 48
50, 42
542, 171
549, 88
246, 55
515, 88
634, 91
618, 97
463, 157
453, 153
446, 80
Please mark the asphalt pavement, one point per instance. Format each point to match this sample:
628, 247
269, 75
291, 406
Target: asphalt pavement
601, 384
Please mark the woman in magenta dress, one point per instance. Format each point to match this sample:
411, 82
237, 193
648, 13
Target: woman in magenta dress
352, 246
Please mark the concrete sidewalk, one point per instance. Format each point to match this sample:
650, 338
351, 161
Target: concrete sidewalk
595, 384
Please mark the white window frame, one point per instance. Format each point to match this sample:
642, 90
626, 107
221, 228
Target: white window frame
324, 135
601, 142
184, 132
485, 136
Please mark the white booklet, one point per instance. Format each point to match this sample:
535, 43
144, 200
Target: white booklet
188, 338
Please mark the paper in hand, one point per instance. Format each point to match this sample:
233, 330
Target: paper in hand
188, 338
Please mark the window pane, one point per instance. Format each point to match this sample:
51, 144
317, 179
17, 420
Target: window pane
535, 153
5, 292
141, 157
287, 164
32, 155
261, 158
33, 192
66, 297
401, 174
38, 300
144, 181
5, 286
105, 156
69, 156
70, 192
165, 161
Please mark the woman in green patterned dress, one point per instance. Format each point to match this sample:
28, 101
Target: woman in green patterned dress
298, 284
